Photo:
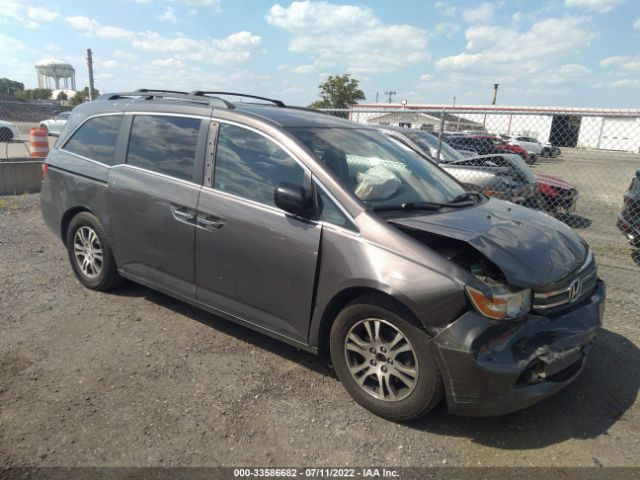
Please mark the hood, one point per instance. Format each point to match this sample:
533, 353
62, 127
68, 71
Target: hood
517, 164
531, 248
553, 181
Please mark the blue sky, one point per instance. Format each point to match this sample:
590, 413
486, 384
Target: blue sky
558, 52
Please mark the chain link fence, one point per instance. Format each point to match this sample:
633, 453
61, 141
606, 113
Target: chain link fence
581, 167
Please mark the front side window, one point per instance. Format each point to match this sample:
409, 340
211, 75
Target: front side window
164, 144
251, 166
380, 171
429, 143
96, 139
330, 212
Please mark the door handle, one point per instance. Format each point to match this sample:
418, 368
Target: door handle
210, 222
183, 215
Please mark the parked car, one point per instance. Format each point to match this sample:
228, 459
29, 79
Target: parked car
557, 195
502, 176
54, 125
8, 131
533, 146
500, 144
331, 236
486, 145
629, 218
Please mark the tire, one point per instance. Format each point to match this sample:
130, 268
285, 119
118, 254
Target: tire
531, 159
44, 127
6, 135
86, 239
410, 402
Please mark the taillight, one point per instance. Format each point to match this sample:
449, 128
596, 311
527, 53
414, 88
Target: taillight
45, 170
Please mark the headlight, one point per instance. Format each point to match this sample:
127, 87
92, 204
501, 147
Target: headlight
501, 304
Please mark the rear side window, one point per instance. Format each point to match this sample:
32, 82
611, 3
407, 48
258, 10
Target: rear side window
164, 144
251, 166
96, 139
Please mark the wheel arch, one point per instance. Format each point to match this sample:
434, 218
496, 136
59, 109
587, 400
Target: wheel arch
66, 220
368, 295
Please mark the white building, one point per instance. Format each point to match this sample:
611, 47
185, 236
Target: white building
609, 129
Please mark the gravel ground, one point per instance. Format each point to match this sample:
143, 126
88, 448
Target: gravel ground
135, 378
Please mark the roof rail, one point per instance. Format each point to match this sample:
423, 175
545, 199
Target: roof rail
201, 93
149, 94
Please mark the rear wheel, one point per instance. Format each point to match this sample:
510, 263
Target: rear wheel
384, 361
90, 253
531, 159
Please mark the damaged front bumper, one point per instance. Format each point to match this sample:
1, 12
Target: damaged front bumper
493, 368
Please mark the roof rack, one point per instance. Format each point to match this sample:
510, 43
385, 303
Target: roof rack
149, 94
201, 93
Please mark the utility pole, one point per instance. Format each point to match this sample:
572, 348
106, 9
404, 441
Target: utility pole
390, 93
90, 65
495, 93
377, 94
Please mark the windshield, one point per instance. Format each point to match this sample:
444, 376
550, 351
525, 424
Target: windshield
380, 171
429, 143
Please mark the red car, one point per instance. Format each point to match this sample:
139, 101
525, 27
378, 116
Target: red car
500, 144
557, 196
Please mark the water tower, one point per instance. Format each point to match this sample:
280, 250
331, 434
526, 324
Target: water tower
56, 74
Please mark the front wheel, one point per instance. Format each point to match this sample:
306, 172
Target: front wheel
384, 361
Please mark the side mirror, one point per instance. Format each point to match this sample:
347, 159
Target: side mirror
290, 198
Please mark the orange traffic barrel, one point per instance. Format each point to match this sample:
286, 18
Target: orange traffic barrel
39, 143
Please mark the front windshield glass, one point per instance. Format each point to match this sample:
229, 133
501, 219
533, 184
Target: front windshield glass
380, 171
429, 143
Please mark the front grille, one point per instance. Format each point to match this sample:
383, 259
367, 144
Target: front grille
571, 291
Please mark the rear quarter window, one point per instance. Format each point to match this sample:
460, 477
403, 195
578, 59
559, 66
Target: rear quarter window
96, 139
164, 144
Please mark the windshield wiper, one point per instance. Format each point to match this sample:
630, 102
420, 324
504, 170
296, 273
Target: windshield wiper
466, 196
410, 206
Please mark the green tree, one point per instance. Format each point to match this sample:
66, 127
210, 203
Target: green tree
10, 87
62, 96
34, 94
338, 91
82, 96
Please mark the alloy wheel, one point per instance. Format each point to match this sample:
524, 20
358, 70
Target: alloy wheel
381, 359
88, 251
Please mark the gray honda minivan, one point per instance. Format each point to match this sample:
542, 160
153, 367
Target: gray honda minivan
331, 236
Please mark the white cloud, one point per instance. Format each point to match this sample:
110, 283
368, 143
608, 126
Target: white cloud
27, 16
568, 73
481, 14
447, 29
626, 63
107, 64
636, 24
426, 77
213, 5
8, 44
446, 9
626, 83
235, 48
600, 6
168, 62
347, 37
42, 14
92, 28
167, 16
493, 48
125, 56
